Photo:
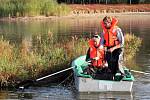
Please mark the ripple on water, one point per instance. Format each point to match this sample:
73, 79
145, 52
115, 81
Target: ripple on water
42, 93
142, 87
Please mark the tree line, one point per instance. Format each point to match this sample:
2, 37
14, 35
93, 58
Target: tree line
104, 1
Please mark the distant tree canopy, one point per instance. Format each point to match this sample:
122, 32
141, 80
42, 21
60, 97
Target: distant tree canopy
103, 1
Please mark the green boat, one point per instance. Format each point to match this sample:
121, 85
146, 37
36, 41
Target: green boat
87, 83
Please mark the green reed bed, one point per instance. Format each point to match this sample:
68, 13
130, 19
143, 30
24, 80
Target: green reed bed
132, 44
45, 54
16, 8
30, 60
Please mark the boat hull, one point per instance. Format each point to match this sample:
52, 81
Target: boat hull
91, 85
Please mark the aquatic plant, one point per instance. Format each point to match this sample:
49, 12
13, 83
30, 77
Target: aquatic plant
132, 44
45, 54
16, 8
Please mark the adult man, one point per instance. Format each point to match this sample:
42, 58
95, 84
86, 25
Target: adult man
113, 41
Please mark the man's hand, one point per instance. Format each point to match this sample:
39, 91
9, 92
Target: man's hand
112, 49
89, 62
96, 58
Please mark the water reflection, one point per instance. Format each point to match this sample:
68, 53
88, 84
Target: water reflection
62, 93
141, 87
48, 93
107, 95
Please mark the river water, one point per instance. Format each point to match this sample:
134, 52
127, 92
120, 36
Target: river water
137, 24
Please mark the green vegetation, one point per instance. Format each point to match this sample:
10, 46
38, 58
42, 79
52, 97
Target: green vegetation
45, 55
16, 8
132, 44
30, 60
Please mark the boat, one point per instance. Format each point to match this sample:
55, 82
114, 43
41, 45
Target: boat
86, 83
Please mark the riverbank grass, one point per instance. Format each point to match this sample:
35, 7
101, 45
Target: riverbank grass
22, 8
132, 44
45, 55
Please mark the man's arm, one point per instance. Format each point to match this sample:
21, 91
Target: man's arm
121, 40
102, 39
120, 37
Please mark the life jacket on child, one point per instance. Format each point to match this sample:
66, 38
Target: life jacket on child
96, 54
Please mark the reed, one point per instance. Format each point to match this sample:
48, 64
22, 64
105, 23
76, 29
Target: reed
45, 54
16, 8
132, 44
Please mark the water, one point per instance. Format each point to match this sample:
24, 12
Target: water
16, 31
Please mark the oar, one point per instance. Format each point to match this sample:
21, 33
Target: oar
27, 83
140, 72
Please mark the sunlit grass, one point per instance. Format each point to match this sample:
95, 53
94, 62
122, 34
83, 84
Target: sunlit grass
132, 44
16, 8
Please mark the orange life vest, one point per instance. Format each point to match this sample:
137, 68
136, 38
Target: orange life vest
110, 35
96, 52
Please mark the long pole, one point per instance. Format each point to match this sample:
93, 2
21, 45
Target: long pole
140, 72
53, 74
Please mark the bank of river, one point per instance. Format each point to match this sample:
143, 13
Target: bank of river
72, 16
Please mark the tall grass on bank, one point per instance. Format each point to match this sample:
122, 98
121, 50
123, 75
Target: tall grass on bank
16, 8
132, 44
45, 54
31, 60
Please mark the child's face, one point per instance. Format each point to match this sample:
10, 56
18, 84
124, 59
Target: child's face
96, 40
107, 24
